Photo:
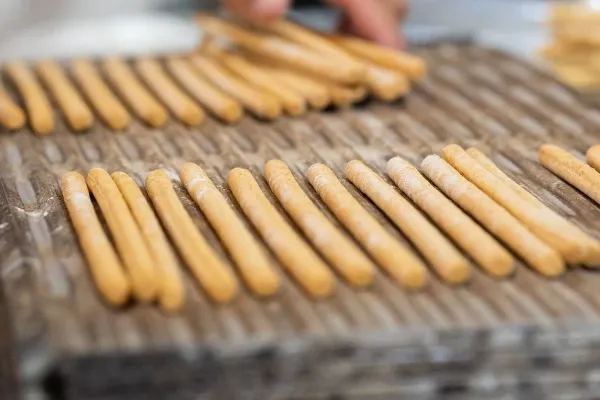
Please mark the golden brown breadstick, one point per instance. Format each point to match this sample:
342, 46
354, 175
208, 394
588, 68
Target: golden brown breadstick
292, 102
133, 92
491, 167
569, 168
35, 100
385, 84
178, 102
316, 94
435, 248
593, 157
570, 242
294, 253
397, 260
76, 112
111, 280
412, 66
222, 105
171, 293
11, 115
106, 104
250, 258
261, 104
279, 50
567, 229
210, 272
473, 239
126, 234
335, 247
493, 217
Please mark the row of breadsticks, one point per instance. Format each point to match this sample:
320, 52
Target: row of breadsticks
473, 207
288, 70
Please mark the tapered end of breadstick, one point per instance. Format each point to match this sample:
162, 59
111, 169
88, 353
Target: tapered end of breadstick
415, 278
14, 120
593, 157
551, 265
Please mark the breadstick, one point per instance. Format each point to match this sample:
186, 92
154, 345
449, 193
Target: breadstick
37, 104
570, 242
405, 63
251, 260
222, 105
344, 97
171, 293
106, 104
398, 261
278, 50
294, 254
11, 115
385, 84
126, 234
335, 247
567, 229
210, 272
261, 104
435, 248
141, 101
76, 112
593, 157
469, 236
292, 103
491, 167
110, 278
178, 102
317, 95
569, 168
493, 217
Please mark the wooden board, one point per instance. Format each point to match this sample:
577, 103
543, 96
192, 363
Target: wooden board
69, 343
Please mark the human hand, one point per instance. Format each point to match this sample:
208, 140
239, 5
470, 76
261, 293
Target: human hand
375, 20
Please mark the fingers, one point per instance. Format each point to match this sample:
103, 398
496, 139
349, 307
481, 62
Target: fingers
258, 10
375, 20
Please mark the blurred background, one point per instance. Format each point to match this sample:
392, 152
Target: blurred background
62, 28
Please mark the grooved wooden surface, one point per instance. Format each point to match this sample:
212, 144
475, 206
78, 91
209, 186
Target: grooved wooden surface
473, 97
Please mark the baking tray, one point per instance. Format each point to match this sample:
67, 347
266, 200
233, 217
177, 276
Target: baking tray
526, 337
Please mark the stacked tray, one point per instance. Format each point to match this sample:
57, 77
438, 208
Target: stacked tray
525, 336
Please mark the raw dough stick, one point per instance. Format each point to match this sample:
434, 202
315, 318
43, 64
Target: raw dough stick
435, 248
11, 115
569, 168
180, 104
294, 254
126, 234
412, 66
171, 293
210, 272
473, 239
106, 104
134, 93
292, 102
250, 258
278, 50
37, 104
335, 247
398, 261
385, 84
492, 168
567, 228
492, 216
108, 274
222, 105
593, 157
573, 245
261, 104
76, 112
